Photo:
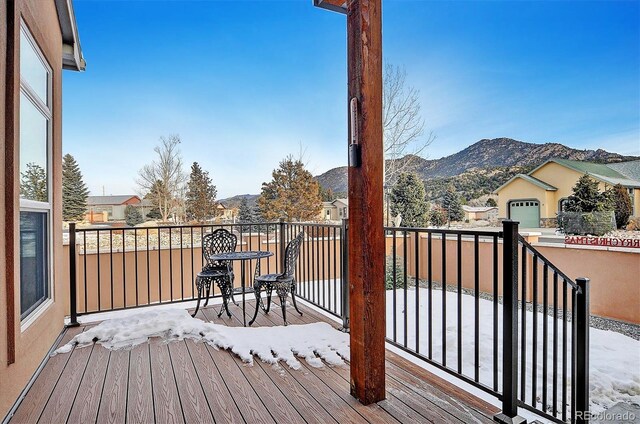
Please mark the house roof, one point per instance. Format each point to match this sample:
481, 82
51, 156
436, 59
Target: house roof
72, 57
612, 173
529, 179
467, 208
345, 201
109, 200
630, 169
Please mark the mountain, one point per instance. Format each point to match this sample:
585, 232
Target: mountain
234, 202
483, 166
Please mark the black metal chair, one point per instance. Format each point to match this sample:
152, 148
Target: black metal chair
283, 283
220, 272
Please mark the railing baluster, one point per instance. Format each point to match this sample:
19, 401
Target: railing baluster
565, 312
417, 290
395, 286
98, 266
534, 332
135, 261
73, 282
476, 309
84, 271
430, 293
523, 363
148, 248
124, 271
159, 266
459, 307
495, 312
181, 266
111, 263
444, 299
545, 334
404, 286
554, 409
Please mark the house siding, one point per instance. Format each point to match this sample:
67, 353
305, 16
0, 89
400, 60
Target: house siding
32, 343
520, 189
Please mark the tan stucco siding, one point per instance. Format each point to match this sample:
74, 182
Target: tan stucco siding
636, 202
560, 177
520, 189
32, 343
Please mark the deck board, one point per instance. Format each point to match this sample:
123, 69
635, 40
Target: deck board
139, 408
189, 381
113, 405
36, 398
64, 394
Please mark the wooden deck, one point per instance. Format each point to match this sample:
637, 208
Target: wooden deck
189, 382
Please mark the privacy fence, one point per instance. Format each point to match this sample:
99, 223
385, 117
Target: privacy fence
483, 306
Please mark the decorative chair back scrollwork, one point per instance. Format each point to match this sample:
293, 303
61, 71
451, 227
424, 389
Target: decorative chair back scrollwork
220, 241
291, 255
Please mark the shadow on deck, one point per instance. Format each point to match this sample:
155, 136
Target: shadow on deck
190, 382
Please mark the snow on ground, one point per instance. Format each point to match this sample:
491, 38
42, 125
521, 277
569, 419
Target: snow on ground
313, 342
614, 358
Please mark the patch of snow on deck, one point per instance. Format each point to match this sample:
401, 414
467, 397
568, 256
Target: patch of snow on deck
315, 342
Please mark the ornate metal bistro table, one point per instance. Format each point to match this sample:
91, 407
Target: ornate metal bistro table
248, 255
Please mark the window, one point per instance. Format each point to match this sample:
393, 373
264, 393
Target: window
35, 175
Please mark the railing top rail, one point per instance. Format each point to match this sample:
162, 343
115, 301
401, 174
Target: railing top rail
446, 231
550, 264
313, 224
166, 227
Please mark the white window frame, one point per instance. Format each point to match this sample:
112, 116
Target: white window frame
26, 205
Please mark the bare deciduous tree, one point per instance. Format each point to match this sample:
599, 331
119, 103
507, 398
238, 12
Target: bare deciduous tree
403, 125
164, 179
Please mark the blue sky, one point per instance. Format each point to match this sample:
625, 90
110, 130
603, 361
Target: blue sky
244, 83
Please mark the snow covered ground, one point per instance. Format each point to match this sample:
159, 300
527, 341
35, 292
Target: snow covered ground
315, 342
614, 358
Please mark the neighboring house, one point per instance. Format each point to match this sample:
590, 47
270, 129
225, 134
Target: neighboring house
478, 213
225, 213
336, 210
112, 206
534, 199
38, 39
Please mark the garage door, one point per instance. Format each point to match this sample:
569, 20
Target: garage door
527, 212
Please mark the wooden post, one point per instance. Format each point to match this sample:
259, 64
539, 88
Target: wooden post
366, 234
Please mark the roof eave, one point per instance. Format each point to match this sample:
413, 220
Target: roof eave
339, 6
72, 57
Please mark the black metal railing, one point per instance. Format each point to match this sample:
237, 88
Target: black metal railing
501, 328
483, 306
131, 267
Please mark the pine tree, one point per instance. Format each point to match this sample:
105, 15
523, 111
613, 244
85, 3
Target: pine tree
452, 206
74, 190
201, 195
132, 216
437, 217
33, 184
408, 199
245, 214
292, 194
587, 197
491, 202
621, 205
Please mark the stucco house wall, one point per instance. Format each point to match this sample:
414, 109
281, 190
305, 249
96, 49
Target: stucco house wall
520, 189
23, 345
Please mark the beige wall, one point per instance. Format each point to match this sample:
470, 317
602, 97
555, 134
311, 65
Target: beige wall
520, 189
614, 289
31, 344
563, 178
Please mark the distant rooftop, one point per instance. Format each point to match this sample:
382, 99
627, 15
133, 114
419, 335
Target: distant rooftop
110, 200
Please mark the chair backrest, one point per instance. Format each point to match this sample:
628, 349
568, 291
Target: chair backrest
291, 255
220, 241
